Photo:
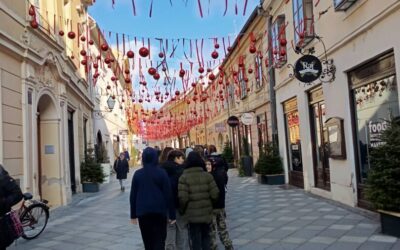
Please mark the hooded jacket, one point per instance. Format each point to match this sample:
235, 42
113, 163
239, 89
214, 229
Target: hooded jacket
197, 191
220, 177
174, 171
151, 190
10, 192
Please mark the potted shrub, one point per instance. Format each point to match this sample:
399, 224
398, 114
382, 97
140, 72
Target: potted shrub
104, 160
227, 154
383, 181
269, 166
246, 159
92, 174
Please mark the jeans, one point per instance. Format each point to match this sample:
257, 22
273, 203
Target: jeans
200, 236
153, 228
177, 235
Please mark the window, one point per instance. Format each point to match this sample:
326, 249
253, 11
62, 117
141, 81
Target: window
259, 72
231, 94
278, 36
343, 5
242, 83
303, 21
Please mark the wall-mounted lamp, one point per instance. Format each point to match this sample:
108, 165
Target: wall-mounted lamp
98, 114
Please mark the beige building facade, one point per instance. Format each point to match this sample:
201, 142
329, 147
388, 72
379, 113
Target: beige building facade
361, 43
46, 108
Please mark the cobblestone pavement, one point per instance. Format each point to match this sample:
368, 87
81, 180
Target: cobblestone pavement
258, 216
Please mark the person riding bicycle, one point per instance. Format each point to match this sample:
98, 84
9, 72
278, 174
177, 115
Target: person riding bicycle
10, 194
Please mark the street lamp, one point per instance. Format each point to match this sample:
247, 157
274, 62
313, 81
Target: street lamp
98, 114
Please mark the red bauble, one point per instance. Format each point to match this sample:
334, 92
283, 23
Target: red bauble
211, 77
98, 57
250, 71
188, 101
84, 62
282, 52
143, 52
216, 46
301, 35
152, 71
164, 69
266, 62
71, 35
83, 38
283, 41
177, 93
252, 49
127, 71
182, 73
201, 70
32, 11
91, 42
130, 54
214, 54
107, 60
127, 80
108, 87
61, 33
156, 76
246, 79
83, 52
34, 24
235, 73
104, 47
72, 57
160, 55
220, 82
209, 70
140, 100
95, 65
193, 84
229, 49
144, 84
113, 78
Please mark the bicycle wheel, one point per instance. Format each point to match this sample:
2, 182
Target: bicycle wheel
34, 220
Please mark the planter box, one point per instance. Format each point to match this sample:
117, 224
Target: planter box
390, 223
277, 179
90, 187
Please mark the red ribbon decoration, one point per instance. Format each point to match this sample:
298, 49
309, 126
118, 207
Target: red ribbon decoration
226, 7
245, 7
151, 8
134, 7
200, 9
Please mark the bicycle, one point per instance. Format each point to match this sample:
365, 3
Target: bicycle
33, 216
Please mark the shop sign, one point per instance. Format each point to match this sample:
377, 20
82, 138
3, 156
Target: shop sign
220, 127
247, 118
375, 130
233, 121
123, 132
308, 68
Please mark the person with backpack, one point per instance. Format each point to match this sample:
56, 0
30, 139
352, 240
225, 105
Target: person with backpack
121, 167
197, 192
10, 194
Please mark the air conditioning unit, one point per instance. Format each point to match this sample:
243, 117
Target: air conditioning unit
343, 5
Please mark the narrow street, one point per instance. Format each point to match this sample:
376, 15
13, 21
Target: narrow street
259, 217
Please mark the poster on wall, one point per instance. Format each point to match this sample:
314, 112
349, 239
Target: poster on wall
375, 129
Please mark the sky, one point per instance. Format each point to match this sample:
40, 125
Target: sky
181, 20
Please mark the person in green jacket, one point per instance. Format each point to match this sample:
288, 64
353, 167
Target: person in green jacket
197, 192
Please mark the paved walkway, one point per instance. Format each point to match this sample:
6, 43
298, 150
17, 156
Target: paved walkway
259, 217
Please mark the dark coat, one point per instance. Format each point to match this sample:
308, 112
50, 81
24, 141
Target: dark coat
151, 189
121, 167
221, 179
174, 171
10, 192
197, 191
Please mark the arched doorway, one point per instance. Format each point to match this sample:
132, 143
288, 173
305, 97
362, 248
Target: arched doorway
48, 144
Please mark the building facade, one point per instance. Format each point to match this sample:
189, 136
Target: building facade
357, 38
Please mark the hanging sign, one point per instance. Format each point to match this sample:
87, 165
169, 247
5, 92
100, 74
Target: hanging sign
233, 121
308, 68
247, 118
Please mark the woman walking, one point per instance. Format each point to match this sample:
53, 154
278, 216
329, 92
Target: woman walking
121, 167
151, 201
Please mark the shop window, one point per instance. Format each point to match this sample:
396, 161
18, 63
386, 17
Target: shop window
243, 83
303, 21
259, 72
278, 38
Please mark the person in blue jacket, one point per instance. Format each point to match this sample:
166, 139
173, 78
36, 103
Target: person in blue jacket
151, 201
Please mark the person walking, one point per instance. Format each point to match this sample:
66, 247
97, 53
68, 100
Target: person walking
219, 224
196, 193
151, 201
10, 194
121, 167
177, 234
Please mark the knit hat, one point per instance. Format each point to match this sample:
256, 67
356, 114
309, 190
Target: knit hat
194, 160
188, 150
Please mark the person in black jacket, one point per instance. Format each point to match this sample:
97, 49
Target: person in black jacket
121, 167
177, 234
151, 201
221, 179
10, 194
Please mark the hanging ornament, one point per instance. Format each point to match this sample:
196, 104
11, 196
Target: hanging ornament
84, 62
83, 52
32, 11
216, 46
229, 49
201, 70
152, 71
214, 54
71, 35
177, 93
113, 78
252, 49
108, 87
211, 77
91, 42
107, 60
127, 80
34, 24
181, 73
283, 42
83, 38
143, 52
95, 65
250, 71
156, 76
130, 54
160, 55
127, 71
282, 52
193, 84
104, 47
61, 33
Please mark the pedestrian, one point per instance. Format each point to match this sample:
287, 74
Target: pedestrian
10, 194
196, 192
127, 157
121, 167
208, 166
187, 151
219, 224
214, 155
164, 154
151, 201
177, 234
